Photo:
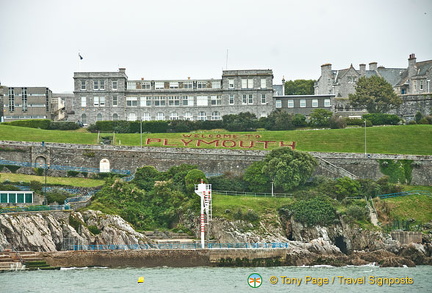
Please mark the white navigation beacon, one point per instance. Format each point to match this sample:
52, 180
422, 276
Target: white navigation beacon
204, 192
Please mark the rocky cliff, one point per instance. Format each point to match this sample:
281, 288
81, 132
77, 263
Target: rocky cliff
55, 231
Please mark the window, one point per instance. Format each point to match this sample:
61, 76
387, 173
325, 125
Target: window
215, 100
188, 116
290, 103
302, 103
99, 117
101, 85
202, 116
352, 79
146, 117
263, 99
327, 103
11, 100
315, 103
247, 99
159, 101
96, 101
131, 117
83, 102
188, 101
202, 101
215, 115
263, 83
216, 84
278, 103
131, 102
247, 83
159, 85
115, 117
146, 85
421, 84
114, 85
160, 116
188, 85
84, 119
231, 99
83, 85
145, 102
174, 101
96, 85
202, 84
231, 83
174, 116
114, 101
174, 85
250, 99
24, 99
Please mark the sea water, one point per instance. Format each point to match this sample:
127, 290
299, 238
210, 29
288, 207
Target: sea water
213, 279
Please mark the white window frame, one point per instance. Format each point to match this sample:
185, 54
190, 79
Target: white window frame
83, 85
159, 101
173, 85
290, 103
202, 116
327, 103
302, 103
115, 117
202, 84
83, 102
202, 101
215, 115
263, 99
230, 83
188, 116
131, 102
131, 117
174, 116
115, 101
99, 117
263, 83
278, 104
160, 116
146, 117
216, 84
159, 85
314, 103
231, 99
114, 85
188, 85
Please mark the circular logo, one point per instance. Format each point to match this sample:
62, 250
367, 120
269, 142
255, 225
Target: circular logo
254, 280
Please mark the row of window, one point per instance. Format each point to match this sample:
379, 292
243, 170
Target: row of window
246, 83
161, 101
24, 100
215, 115
16, 197
303, 103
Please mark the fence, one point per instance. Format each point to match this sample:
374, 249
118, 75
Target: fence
35, 209
272, 245
253, 194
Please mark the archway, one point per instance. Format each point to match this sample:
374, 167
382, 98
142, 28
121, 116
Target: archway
104, 166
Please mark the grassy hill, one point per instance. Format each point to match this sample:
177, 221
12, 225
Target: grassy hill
401, 139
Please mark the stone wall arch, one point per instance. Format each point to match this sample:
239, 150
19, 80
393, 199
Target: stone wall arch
104, 166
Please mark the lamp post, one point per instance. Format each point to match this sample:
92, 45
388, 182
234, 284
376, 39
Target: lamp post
141, 131
365, 138
272, 188
46, 170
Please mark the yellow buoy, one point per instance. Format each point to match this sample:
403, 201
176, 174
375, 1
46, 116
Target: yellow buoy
141, 280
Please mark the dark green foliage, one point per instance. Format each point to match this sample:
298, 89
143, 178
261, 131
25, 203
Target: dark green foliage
228, 181
278, 120
355, 121
32, 123
320, 118
182, 126
57, 196
146, 177
194, 177
244, 121
39, 171
315, 211
72, 173
357, 213
375, 94
94, 230
346, 186
418, 116
36, 186
249, 216
75, 223
337, 122
63, 125
11, 168
398, 171
382, 119
258, 181
155, 126
299, 87
299, 120
8, 187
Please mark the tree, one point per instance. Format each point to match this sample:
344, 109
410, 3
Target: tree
244, 121
375, 94
299, 87
285, 167
320, 118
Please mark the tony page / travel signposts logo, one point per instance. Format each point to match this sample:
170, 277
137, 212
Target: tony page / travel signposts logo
254, 280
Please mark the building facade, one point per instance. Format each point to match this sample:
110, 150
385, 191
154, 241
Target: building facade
26, 103
102, 96
304, 104
411, 83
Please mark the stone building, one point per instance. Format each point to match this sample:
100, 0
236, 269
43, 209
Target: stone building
304, 104
112, 96
26, 103
411, 83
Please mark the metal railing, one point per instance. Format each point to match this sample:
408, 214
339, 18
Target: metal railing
272, 245
35, 209
254, 194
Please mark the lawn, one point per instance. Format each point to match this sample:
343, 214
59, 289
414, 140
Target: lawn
69, 181
401, 139
417, 207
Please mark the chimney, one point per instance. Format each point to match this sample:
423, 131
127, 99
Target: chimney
373, 66
283, 85
362, 69
412, 65
122, 70
326, 68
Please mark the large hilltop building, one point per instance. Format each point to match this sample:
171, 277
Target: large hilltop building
411, 83
112, 96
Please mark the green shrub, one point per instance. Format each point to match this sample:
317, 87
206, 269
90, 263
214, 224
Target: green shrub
63, 125
382, 119
39, 171
354, 121
31, 123
337, 122
357, 213
423, 121
72, 173
74, 222
56, 195
36, 186
155, 126
94, 230
315, 211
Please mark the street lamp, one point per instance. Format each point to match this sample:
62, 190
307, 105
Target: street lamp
365, 137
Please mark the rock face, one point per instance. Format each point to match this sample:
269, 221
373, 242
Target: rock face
62, 230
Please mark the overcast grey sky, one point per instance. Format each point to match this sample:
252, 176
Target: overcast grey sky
175, 39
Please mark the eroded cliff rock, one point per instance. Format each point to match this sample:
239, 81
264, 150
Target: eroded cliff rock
54, 231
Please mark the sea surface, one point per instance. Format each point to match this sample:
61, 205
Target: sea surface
210, 279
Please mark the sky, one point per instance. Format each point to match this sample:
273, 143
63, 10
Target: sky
176, 39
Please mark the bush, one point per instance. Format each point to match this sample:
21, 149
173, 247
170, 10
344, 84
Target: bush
423, 121
355, 121
357, 213
155, 126
36, 186
39, 171
382, 119
56, 195
31, 123
94, 230
337, 122
71, 173
63, 125
315, 211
